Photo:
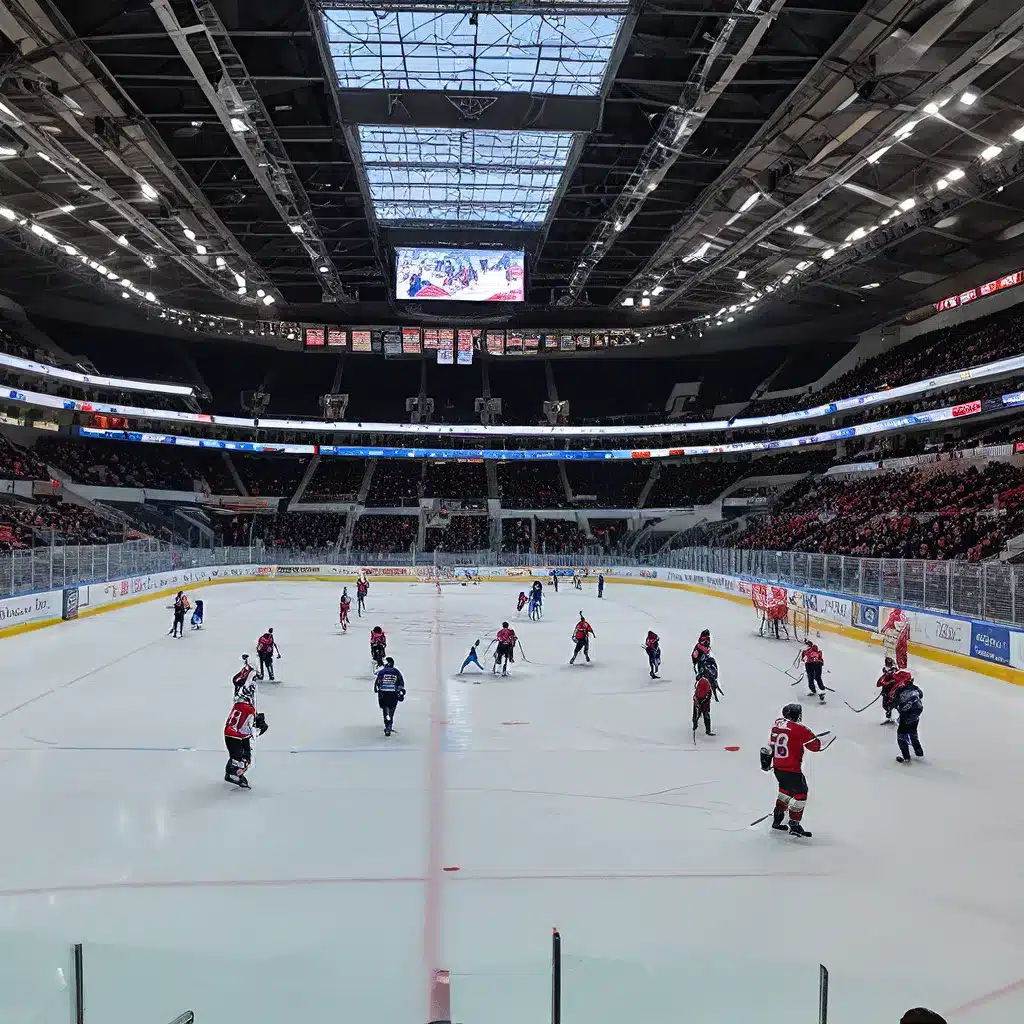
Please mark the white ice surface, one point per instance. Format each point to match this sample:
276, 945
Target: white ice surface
593, 812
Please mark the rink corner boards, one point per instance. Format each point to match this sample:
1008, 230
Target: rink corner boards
1006, 673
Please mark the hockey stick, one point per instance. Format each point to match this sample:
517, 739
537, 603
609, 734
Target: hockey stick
857, 711
764, 817
827, 745
519, 644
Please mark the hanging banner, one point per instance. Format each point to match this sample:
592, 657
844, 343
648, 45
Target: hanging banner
445, 347
465, 348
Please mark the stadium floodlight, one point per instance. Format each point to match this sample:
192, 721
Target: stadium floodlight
873, 284
787, 279
69, 249
798, 229
618, 225
990, 152
124, 295
190, 234
905, 130
260, 293
201, 249
732, 309
749, 201
239, 280
941, 184
268, 300
955, 174
149, 297
730, 319
968, 98
147, 190
804, 264
646, 292
238, 125
220, 262
856, 234
908, 204
931, 108
1019, 134
741, 275
732, 220
8, 213
657, 289
873, 158
297, 229
323, 269
628, 300
242, 290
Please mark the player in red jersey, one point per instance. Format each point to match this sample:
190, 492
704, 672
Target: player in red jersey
814, 662
701, 650
506, 649
378, 646
891, 679
521, 603
238, 734
785, 753
705, 688
343, 609
581, 635
265, 647
652, 645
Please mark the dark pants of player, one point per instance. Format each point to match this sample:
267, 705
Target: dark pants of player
266, 666
178, 629
887, 705
377, 654
360, 604
792, 795
906, 737
600, 590
387, 701
814, 676
654, 659
239, 758
702, 711
503, 654
582, 646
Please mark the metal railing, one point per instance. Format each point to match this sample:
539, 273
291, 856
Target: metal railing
985, 590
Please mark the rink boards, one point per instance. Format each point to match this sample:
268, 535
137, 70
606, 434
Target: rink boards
990, 648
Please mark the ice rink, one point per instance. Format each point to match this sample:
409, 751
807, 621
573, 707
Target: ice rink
564, 796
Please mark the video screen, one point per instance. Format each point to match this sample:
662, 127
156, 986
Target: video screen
460, 275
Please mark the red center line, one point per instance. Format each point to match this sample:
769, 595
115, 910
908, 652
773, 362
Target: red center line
437, 994
989, 997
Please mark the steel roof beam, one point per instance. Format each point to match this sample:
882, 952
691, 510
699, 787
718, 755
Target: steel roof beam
237, 102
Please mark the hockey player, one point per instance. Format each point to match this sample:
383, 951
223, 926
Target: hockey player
472, 658
891, 679
577, 581
362, 589
344, 607
908, 700
581, 635
506, 649
180, 607
238, 734
652, 645
701, 650
521, 603
705, 688
378, 646
814, 662
785, 753
196, 621
265, 648
536, 601
389, 686
600, 584
554, 580
241, 677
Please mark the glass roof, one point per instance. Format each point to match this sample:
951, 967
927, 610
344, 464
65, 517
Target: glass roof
441, 174
493, 51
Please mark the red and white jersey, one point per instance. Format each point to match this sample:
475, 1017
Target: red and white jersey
239, 723
265, 644
788, 742
241, 677
890, 682
378, 638
652, 641
582, 629
702, 693
506, 636
812, 655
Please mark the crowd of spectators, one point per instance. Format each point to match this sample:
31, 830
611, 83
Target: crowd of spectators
19, 464
607, 484
385, 534
271, 476
906, 514
335, 480
516, 535
307, 531
693, 483
51, 521
463, 533
462, 481
530, 485
395, 483
560, 537
609, 533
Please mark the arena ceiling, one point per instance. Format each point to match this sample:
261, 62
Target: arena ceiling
772, 161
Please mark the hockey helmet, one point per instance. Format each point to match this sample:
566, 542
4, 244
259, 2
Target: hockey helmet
709, 669
705, 634
504, 625
390, 662
890, 665
792, 712
377, 629
245, 658
247, 693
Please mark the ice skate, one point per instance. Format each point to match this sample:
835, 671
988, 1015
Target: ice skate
796, 829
